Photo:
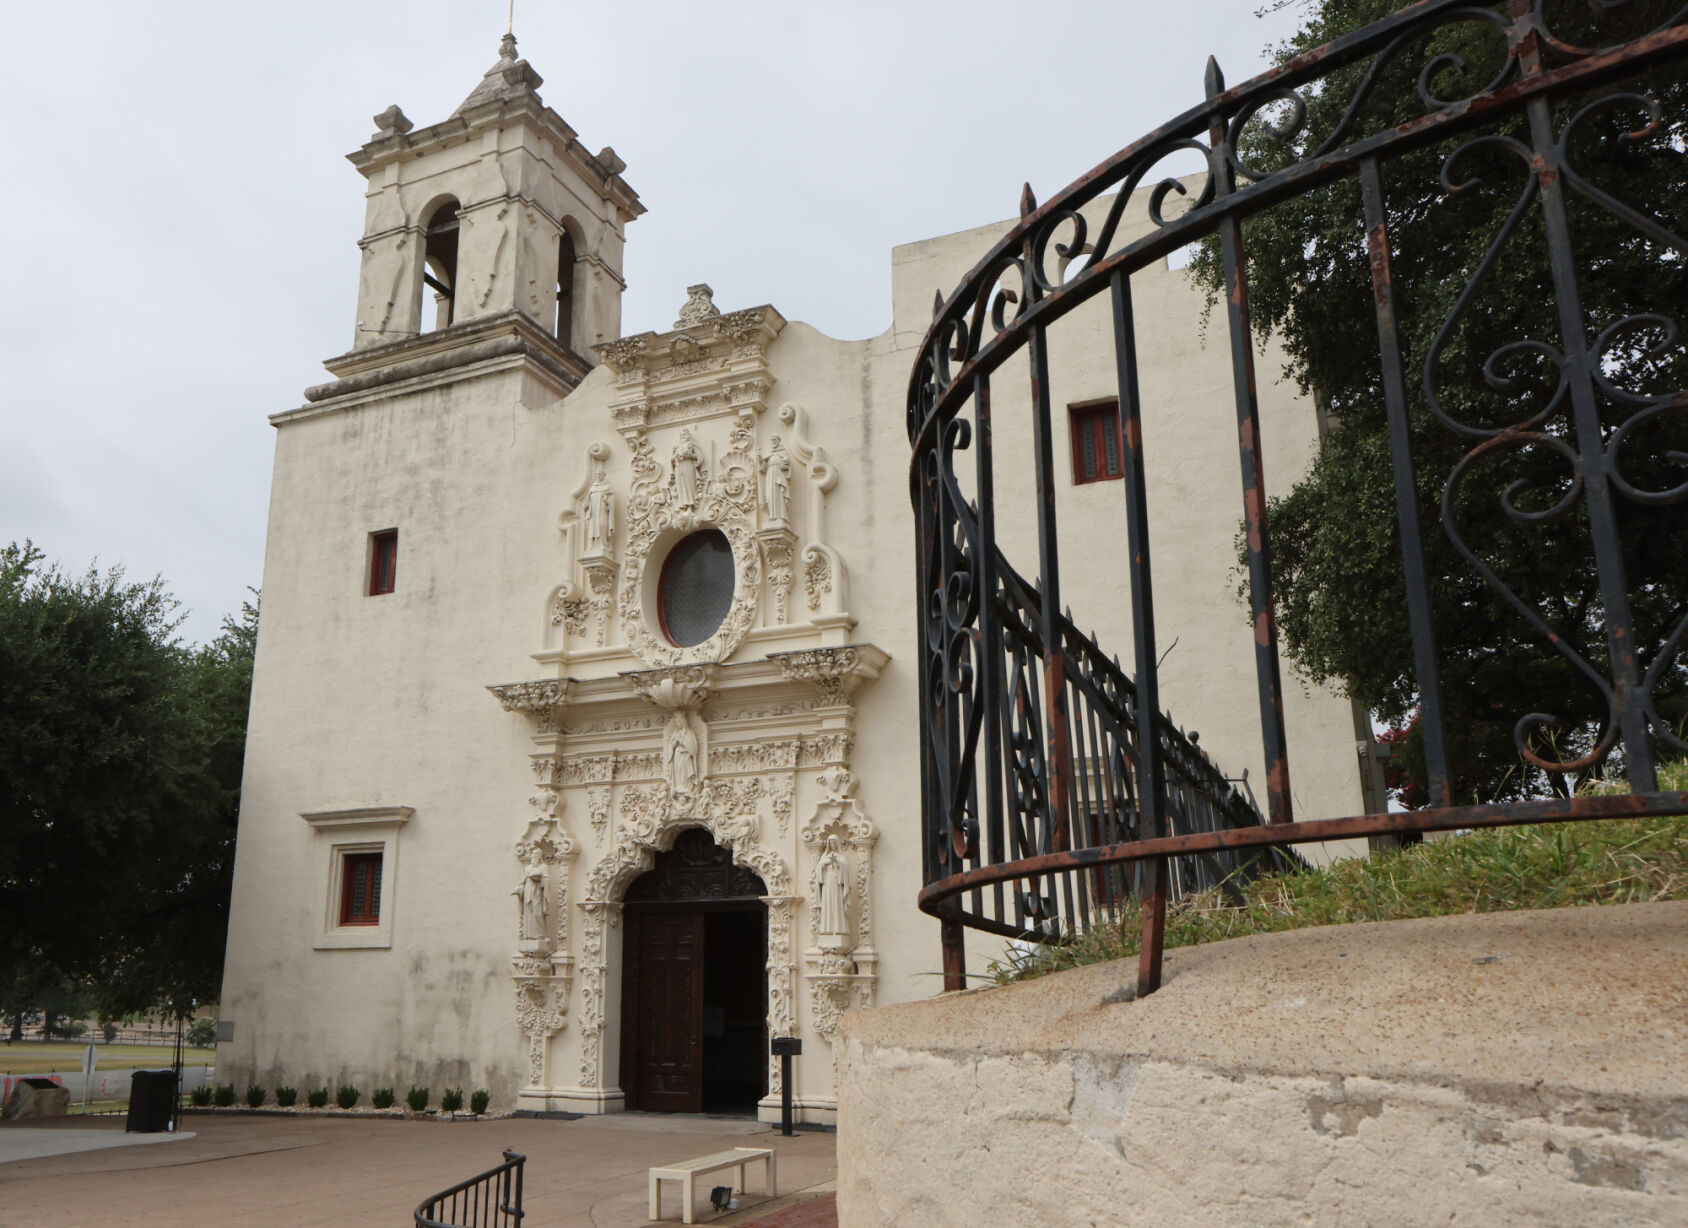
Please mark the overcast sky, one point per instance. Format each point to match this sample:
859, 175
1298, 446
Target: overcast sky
182, 224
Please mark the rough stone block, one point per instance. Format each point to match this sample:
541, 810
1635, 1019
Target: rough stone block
37, 1098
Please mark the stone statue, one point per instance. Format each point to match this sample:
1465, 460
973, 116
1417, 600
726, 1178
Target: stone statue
686, 464
681, 758
536, 908
835, 922
600, 516
776, 482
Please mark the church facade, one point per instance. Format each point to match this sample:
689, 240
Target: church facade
582, 749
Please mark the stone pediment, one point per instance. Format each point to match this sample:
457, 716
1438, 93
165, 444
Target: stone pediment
704, 346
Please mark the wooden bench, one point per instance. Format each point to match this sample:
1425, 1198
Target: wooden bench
686, 1173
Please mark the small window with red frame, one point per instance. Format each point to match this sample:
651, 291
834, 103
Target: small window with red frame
383, 561
1096, 443
360, 889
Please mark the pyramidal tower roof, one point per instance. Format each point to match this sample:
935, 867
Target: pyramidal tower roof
509, 78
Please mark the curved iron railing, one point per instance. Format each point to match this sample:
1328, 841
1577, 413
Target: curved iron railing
491, 1200
1048, 773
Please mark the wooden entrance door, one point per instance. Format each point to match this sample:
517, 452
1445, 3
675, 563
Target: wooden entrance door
677, 1054
668, 1063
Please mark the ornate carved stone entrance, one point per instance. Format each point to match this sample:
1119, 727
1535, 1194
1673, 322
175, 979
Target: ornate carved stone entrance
694, 983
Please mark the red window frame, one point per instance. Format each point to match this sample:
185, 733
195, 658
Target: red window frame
360, 889
1098, 454
383, 561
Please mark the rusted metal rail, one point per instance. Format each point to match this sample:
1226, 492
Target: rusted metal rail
1051, 781
491, 1200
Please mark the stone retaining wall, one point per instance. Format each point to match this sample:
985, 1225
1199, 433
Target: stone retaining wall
1507, 1068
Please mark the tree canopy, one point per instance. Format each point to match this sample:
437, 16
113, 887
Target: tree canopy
120, 762
1487, 362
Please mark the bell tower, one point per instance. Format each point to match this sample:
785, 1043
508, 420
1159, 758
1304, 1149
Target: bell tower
494, 222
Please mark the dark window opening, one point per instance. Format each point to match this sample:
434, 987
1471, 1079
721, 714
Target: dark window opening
1096, 443
360, 889
439, 261
563, 326
696, 588
383, 561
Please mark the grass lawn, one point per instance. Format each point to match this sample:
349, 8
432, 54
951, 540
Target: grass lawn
1615, 861
47, 1057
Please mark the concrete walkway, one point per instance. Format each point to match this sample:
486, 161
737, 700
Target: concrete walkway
306, 1171
36, 1142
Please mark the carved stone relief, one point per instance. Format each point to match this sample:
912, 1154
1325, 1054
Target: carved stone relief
542, 969
588, 526
840, 965
693, 496
644, 820
823, 567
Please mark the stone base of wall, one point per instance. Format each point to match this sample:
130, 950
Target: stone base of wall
1497, 1069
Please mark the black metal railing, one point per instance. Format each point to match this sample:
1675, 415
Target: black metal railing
1048, 773
491, 1200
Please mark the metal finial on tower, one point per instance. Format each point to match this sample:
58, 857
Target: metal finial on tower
511, 28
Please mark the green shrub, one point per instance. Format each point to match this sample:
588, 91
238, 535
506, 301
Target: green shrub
417, 1099
109, 1031
223, 1096
451, 1099
478, 1102
202, 1034
346, 1096
317, 1097
201, 1095
255, 1096
287, 1097
383, 1098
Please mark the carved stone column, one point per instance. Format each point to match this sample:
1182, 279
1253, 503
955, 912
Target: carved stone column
782, 978
597, 917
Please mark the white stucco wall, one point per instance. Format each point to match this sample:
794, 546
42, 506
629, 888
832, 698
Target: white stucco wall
379, 703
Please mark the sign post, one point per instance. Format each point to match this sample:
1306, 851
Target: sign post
90, 1060
785, 1048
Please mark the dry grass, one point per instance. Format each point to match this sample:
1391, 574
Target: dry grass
1620, 861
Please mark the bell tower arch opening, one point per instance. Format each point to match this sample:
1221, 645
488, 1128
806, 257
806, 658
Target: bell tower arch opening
695, 983
439, 260
563, 324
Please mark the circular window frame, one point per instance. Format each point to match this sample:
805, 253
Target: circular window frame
662, 566
648, 541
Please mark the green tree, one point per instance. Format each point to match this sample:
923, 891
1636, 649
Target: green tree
120, 759
1336, 548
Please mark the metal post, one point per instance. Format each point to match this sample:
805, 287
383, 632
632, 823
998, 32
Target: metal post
955, 954
785, 1048
785, 1094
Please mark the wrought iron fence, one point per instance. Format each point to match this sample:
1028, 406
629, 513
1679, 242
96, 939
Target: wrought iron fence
1049, 774
491, 1200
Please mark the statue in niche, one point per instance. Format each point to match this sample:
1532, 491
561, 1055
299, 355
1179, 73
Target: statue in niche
776, 480
687, 461
680, 759
835, 922
536, 908
600, 516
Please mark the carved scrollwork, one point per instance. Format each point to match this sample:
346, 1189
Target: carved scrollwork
834, 672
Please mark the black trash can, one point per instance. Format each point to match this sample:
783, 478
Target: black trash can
152, 1096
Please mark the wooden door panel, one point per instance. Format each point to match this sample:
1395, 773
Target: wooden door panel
669, 1061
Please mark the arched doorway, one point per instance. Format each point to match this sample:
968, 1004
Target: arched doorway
695, 983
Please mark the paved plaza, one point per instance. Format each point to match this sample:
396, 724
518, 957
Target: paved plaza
249, 1169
